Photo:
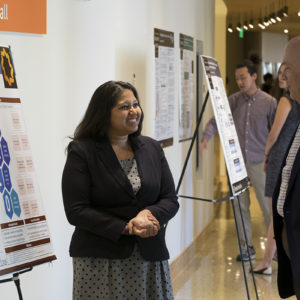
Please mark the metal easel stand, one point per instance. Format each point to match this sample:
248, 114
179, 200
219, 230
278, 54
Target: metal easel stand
231, 198
15, 278
247, 246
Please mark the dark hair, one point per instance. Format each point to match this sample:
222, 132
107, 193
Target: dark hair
249, 65
96, 120
268, 76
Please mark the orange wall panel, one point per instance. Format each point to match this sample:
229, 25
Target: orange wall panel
23, 16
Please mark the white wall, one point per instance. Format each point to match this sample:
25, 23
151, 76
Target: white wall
88, 43
273, 45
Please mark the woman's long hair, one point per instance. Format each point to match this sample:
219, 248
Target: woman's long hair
276, 91
96, 120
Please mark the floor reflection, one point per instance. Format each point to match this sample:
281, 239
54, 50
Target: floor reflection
213, 273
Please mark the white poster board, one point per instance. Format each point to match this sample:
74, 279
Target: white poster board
186, 95
24, 235
164, 86
231, 147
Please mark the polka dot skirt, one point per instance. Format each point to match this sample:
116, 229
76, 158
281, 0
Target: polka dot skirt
132, 278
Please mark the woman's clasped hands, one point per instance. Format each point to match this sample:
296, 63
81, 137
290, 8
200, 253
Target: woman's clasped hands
144, 224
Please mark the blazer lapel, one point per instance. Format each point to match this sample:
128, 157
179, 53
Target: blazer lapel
138, 147
106, 154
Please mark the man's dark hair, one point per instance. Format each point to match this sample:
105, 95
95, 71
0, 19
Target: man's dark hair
96, 120
268, 76
249, 65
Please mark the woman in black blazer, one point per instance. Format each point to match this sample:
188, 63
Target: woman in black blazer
119, 194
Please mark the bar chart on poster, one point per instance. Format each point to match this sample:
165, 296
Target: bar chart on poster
24, 234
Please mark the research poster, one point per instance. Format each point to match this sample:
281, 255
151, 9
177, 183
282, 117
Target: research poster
164, 86
24, 234
233, 155
186, 95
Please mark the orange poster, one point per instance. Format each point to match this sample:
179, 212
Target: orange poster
23, 16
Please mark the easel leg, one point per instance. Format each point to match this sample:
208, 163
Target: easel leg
247, 246
240, 247
16, 280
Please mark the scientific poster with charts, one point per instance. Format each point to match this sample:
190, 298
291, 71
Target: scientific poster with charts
24, 234
233, 155
164, 86
186, 95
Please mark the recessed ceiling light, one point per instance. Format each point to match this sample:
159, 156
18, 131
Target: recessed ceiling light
251, 23
286, 31
272, 18
260, 24
285, 11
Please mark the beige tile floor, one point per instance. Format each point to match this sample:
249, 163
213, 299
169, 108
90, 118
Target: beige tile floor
214, 274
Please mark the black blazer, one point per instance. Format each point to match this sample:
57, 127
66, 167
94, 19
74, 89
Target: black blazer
99, 200
288, 268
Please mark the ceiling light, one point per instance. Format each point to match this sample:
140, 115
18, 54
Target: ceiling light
251, 23
279, 16
272, 18
285, 11
298, 13
230, 28
266, 22
238, 26
260, 24
286, 31
245, 26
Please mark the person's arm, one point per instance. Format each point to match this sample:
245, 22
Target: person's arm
209, 131
76, 190
281, 114
166, 205
272, 111
211, 126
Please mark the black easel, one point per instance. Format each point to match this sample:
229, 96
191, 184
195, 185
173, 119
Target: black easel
230, 197
15, 278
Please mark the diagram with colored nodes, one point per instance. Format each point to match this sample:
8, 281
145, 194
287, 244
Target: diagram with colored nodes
9, 196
